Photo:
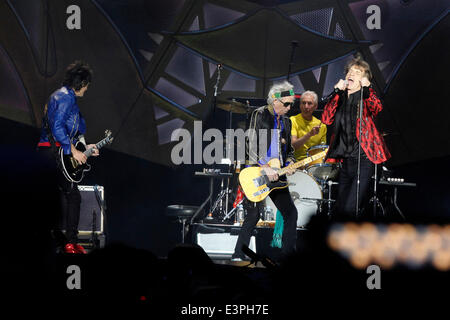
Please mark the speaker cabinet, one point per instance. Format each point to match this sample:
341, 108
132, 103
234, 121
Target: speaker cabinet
91, 211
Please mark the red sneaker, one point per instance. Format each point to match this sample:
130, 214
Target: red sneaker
74, 248
70, 248
79, 248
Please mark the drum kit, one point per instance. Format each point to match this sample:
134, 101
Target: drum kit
310, 188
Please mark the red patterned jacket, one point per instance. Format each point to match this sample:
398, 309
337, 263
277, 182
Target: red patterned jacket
372, 143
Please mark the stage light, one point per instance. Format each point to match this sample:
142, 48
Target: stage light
391, 245
360, 258
349, 237
383, 255
441, 260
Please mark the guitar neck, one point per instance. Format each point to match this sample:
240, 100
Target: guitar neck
301, 163
98, 145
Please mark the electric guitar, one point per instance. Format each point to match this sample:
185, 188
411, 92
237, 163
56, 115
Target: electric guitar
256, 184
72, 170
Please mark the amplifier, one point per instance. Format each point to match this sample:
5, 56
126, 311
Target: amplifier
219, 244
91, 212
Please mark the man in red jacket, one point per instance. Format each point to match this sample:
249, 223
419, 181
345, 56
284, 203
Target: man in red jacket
343, 112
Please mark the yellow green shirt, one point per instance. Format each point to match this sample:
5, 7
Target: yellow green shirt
300, 127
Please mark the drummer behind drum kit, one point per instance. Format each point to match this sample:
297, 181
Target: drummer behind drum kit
307, 186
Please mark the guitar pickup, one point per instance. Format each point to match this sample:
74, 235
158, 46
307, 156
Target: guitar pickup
261, 191
257, 182
262, 180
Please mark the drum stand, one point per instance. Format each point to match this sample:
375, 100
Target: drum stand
376, 202
229, 214
220, 199
227, 191
223, 197
323, 184
330, 184
214, 174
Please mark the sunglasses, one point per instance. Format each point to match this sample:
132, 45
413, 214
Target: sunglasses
286, 104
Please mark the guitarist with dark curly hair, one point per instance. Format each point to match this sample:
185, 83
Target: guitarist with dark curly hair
64, 126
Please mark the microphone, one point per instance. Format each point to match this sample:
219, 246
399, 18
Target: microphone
332, 93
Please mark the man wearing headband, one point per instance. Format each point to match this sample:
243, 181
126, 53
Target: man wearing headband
63, 126
342, 110
307, 130
271, 123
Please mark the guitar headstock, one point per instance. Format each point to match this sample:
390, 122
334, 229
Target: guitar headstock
108, 136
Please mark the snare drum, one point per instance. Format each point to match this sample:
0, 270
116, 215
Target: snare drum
305, 193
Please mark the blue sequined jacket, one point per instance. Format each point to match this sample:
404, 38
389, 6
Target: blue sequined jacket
65, 120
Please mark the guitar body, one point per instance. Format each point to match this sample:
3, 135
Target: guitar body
257, 186
72, 170
255, 183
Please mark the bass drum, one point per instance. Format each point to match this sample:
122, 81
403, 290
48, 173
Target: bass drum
305, 192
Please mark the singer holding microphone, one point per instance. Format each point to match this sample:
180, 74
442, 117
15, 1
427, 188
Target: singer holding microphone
358, 153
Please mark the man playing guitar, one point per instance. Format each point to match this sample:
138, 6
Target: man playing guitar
272, 120
63, 126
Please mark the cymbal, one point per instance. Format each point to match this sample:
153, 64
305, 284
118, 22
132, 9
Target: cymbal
232, 106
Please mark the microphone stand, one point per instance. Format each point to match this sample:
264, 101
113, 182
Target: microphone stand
216, 86
101, 204
376, 202
294, 44
361, 105
211, 184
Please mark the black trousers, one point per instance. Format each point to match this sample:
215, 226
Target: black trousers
70, 201
283, 201
348, 180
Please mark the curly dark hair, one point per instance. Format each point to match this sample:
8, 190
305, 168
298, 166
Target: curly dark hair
358, 61
78, 75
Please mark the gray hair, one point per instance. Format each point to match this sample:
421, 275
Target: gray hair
278, 87
312, 94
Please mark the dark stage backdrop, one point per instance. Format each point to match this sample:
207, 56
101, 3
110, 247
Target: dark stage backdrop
155, 62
